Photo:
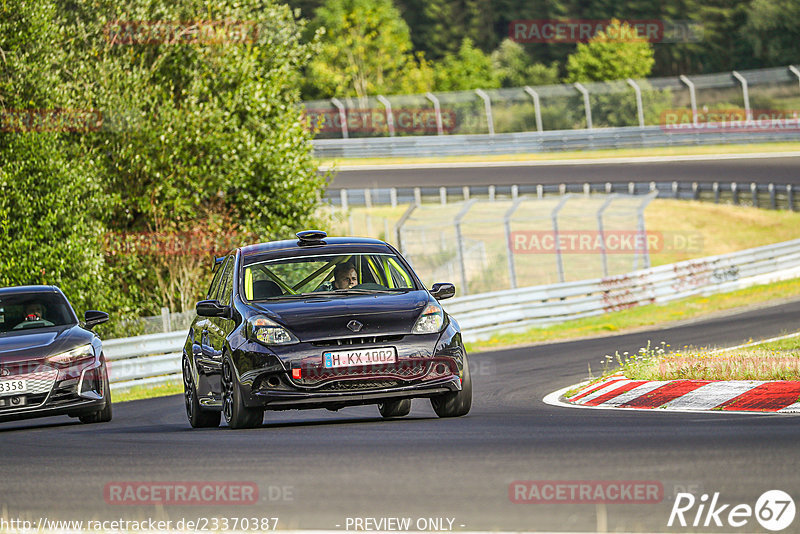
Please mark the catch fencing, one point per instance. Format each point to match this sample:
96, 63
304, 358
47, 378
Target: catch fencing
156, 359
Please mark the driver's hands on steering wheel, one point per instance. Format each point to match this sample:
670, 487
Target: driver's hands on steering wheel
33, 317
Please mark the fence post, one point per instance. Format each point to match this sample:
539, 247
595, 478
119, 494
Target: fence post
437, 110
393, 197
460, 244
389, 115
692, 97
586, 105
754, 193
639, 109
342, 116
643, 231
745, 95
554, 219
715, 187
735, 193
367, 198
601, 231
487, 104
537, 109
398, 226
790, 197
343, 196
165, 320
418, 196
512, 272
443, 195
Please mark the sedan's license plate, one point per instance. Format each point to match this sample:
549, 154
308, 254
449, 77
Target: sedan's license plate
12, 387
350, 358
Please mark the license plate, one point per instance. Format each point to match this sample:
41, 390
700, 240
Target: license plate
12, 387
350, 358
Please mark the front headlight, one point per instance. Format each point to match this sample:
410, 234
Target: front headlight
430, 321
269, 332
84, 352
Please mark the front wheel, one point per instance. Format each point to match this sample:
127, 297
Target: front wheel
198, 417
103, 415
455, 403
395, 408
237, 415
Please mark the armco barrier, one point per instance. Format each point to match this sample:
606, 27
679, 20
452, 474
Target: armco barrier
156, 359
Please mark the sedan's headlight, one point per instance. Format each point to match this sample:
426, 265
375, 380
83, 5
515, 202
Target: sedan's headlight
83, 352
269, 332
430, 321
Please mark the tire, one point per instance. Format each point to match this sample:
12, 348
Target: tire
198, 417
237, 415
103, 415
395, 408
455, 403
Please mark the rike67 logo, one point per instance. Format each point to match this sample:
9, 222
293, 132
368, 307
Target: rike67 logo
774, 510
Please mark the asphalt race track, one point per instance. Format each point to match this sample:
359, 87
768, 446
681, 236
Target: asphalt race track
778, 170
315, 469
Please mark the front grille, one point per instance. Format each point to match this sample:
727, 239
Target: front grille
30, 400
338, 342
405, 370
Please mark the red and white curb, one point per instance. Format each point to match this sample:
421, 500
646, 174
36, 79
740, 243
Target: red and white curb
730, 396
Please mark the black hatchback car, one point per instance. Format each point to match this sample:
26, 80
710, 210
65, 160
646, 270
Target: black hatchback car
50, 363
321, 322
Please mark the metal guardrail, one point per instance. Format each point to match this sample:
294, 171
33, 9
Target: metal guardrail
548, 141
156, 359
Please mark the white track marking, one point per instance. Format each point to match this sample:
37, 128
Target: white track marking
605, 389
635, 393
711, 395
792, 408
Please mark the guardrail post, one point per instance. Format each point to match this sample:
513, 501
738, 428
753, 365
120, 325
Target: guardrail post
734, 193
695, 191
587, 189
631, 188
343, 196
790, 196
165, 320
554, 219
537, 109
437, 110
491, 192
512, 272
514, 192
487, 104
367, 198
601, 231
443, 195
342, 116
609, 188
745, 95
418, 196
393, 197
674, 189
460, 244
794, 70
715, 188
639, 108
398, 226
754, 193
465, 191
692, 97
586, 105
562, 189
772, 202
389, 115
539, 191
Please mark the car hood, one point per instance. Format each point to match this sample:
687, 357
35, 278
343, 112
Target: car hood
314, 319
42, 342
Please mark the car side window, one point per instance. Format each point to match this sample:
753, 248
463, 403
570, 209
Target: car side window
226, 289
212, 291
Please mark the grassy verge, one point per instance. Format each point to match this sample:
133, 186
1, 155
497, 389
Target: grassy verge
578, 154
146, 392
778, 360
643, 316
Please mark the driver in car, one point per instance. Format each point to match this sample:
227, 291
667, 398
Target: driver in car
34, 311
344, 276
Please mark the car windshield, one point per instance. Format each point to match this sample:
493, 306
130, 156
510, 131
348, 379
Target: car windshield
27, 311
326, 275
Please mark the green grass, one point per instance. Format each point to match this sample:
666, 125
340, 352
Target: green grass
778, 360
642, 316
582, 154
146, 392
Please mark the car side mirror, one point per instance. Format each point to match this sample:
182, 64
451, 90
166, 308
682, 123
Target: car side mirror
443, 291
93, 318
212, 308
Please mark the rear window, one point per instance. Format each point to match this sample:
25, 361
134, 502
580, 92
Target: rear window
33, 310
329, 273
